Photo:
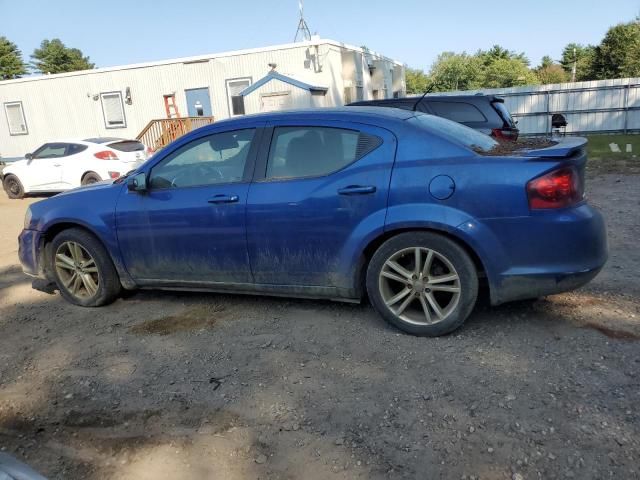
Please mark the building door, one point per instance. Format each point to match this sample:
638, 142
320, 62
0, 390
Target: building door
271, 102
198, 102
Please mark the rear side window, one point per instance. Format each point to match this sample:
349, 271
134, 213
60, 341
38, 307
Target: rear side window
454, 132
457, 111
75, 148
298, 152
127, 146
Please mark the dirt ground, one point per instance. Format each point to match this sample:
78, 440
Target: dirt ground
190, 386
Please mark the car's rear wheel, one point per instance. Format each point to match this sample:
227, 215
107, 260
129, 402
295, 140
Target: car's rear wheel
90, 178
13, 187
83, 270
422, 283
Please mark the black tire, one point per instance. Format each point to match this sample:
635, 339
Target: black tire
460, 303
90, 178
109, 283
13, 187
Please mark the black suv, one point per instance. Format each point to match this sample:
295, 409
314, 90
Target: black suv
485, 113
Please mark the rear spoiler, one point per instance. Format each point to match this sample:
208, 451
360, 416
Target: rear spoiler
564, 148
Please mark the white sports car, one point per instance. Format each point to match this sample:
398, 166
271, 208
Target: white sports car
59, 166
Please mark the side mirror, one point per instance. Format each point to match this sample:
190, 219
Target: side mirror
29, 157
137, 183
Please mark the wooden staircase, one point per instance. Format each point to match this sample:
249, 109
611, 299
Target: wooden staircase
161, 132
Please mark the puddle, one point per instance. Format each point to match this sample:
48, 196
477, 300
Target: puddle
197, 318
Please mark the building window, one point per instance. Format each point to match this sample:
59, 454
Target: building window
359, 93
15, 118
236, 101
113, 110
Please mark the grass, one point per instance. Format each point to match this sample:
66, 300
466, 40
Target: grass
603, 160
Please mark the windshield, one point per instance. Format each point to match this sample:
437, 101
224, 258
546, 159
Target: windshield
455, 132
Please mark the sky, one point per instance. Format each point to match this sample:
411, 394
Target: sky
119, 32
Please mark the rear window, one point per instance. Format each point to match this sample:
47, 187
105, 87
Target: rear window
458, 111
455, 132
504, 113
127, 146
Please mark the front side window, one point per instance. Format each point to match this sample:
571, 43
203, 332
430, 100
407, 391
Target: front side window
298, 152
113, 110
51, 150
214, 159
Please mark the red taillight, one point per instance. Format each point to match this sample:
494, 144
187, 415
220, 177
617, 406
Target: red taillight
558, 189
114, 175
106, 155
505, 134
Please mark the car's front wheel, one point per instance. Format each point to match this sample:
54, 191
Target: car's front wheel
13, 186
423, 283
83, 270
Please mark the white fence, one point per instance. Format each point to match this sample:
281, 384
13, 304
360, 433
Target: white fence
602, 106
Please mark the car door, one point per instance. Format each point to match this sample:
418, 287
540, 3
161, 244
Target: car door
319, 190
44, 170
189, 226
74, 164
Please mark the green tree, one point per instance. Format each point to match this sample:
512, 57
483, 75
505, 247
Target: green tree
551, 72
54, 57
618, 55
583, 56
417, 81
508, 72
499, 53
11, 63
456, 71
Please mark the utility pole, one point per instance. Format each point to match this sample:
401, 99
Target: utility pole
303, 29
575, 65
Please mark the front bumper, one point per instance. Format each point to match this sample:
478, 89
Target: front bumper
30, 246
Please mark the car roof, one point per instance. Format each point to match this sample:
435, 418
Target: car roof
430, 97
332, 113
103, 140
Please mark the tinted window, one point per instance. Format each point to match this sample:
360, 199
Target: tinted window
311, 151
454, 132
218, 158
75, 148
458, 112
51, 150
127, 146
504, 113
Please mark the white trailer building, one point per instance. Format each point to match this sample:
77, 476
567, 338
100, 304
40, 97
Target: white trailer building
121, 101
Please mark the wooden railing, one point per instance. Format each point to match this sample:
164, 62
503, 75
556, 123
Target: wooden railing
159, 133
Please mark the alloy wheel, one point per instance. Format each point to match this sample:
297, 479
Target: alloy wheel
13, 186
77, 270
419, 285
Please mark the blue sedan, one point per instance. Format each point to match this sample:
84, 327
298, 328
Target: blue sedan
405, 208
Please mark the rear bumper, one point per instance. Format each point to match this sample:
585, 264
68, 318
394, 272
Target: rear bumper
30, 253
545, 253
521, 287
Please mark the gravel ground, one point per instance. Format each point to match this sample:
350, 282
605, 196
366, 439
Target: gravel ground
191, 386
